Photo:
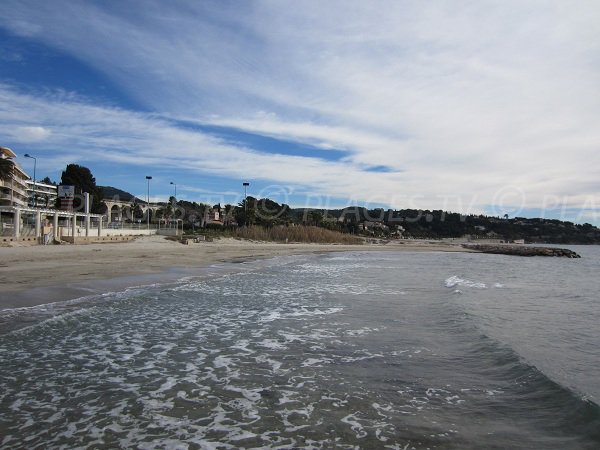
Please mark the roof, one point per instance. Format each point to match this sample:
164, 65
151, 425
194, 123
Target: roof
21, 171
7, 152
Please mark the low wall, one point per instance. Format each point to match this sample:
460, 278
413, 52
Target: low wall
93, 235
31, 239
80, 232
95, 239
168, 232
123, 232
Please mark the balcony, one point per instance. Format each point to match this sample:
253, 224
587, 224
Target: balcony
14, 186
6, 199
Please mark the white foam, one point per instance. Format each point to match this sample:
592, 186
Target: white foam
316, 362
355, 425
242, 345
457, 281
271, 344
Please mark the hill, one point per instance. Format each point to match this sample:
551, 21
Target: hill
113, 192
439, 224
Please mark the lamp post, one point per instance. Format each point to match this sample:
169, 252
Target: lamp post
245, 184
148, 202
27, 155
173, 204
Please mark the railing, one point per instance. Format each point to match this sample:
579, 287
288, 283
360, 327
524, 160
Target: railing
27, 231
14, 186
16, 196
7, 229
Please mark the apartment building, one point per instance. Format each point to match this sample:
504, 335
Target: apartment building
13, 181
18, 189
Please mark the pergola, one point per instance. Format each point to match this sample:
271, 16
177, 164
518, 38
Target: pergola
40, 213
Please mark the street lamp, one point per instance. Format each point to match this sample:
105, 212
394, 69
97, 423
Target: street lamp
148, 202
27, 155
175, 184
245, 184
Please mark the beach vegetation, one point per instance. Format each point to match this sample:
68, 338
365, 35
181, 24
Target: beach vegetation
291, 234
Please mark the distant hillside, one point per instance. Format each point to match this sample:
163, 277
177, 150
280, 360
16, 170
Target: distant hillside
440, 224
112, 192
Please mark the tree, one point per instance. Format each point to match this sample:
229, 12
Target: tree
7, 169
248, 207
81, 177
169, 211
227, 216
138, 212
47, 180
315, 217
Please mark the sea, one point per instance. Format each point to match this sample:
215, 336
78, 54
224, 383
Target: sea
358, 350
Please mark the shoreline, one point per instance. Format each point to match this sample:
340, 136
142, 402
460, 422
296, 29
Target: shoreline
37, 275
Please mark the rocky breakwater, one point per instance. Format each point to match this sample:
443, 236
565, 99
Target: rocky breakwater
522, 250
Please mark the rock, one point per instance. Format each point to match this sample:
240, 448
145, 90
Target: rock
522, 250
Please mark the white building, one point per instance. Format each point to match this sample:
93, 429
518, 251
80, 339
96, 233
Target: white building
45, 194
20, 190
13, 189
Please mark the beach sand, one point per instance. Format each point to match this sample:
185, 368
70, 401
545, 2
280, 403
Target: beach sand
34, 275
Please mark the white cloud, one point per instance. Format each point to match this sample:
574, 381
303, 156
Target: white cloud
462, 99
30, 134
110, 134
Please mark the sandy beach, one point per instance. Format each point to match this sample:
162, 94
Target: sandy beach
32, 275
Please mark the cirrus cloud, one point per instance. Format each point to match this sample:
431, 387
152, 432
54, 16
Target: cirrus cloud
455, 100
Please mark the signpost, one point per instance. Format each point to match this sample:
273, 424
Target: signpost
66, 194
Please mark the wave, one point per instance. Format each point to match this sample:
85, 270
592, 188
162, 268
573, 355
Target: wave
24, 318
524, 388
454, 281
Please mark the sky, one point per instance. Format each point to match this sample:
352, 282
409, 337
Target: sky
468, 106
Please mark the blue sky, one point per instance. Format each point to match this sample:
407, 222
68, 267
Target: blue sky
468, 106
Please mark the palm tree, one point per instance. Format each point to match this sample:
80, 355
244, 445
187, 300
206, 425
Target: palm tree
227, 218
169, 210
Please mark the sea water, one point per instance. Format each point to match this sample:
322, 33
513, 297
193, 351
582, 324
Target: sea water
351, 350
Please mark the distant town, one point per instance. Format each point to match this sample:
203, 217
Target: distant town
76, 209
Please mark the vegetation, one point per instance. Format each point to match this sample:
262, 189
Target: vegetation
271, 221
282, 233
113, 192
437, 224
268, 220
47, 180
81, 177
7, 167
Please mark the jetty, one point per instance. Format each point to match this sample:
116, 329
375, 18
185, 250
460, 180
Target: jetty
522, 250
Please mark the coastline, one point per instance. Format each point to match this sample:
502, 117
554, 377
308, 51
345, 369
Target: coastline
37, 275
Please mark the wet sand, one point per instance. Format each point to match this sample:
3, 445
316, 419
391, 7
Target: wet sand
34, 275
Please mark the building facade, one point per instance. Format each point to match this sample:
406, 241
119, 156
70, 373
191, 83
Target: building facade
18, 189
13, 184
41, 195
